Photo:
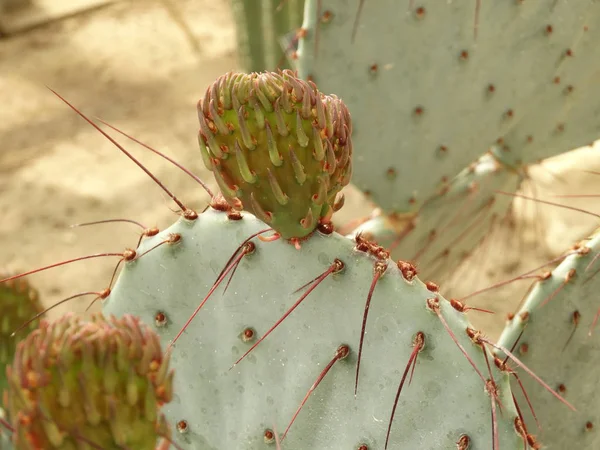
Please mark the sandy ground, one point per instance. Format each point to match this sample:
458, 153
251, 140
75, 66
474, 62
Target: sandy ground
132, 65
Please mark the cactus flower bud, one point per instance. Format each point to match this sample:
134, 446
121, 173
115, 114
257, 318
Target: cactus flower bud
19, 302
277, 147
89, 384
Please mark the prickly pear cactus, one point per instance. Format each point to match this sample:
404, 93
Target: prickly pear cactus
446, 228
262, 27
553, 334
96, 384
19, 302
431, 85
224, 405
277, 147
317, 338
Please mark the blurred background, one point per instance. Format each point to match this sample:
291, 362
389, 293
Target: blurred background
142, 66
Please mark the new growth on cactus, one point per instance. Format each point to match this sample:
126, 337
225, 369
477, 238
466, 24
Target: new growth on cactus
89, 384
277, 147
18, 302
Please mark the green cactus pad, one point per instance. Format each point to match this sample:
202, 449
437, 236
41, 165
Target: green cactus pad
19, 302
434, 84
559, 341
89, 384
221, 409
277, 147
452, 223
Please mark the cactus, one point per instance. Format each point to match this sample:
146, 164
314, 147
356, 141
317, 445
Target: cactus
277, 147
18, 302
553, 334
319, 339
263, 28
426, 110
97, 384
262, 391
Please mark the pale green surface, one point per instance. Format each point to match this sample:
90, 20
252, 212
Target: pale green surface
230, 409
419, 64
546, 333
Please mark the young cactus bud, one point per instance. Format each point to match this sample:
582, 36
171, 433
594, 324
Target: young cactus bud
19, 302
89, 384
277, 147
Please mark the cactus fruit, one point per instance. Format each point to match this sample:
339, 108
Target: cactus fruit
18, 303
275, 366
552, 332
261, 28
277, 147
432, 86
89, 384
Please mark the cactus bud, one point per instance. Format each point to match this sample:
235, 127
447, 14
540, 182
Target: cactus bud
277, 147
89, 384
19, 302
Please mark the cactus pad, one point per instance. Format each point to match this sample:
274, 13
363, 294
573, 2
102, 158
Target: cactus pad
243, 407
277, 147
558, 340
98, 384
434, 84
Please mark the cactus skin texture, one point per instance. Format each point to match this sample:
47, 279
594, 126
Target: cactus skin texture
262, 27
277, 147
556, 319
78, 384
453, 222
232, 409
19, 302
422, 76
